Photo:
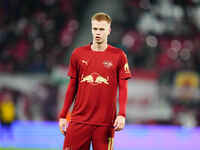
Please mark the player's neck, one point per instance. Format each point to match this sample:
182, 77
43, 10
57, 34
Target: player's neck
99, 47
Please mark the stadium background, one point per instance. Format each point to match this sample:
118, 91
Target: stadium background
161, 39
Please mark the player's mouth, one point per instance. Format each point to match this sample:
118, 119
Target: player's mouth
97, 38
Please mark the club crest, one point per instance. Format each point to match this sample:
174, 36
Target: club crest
107, 64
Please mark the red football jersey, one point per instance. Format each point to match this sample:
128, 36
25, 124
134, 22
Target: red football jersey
98, 74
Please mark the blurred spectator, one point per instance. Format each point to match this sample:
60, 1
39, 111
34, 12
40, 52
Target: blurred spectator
7, 113
186, 98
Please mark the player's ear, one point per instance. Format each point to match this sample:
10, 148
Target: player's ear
109, 30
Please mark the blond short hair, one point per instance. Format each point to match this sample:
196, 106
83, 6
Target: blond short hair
101, 16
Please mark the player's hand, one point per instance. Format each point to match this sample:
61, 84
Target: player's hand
62, 125
119, 123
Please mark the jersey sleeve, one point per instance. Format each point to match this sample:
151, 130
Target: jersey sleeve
124, 70
73, 66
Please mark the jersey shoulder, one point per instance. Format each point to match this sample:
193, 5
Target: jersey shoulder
80, 50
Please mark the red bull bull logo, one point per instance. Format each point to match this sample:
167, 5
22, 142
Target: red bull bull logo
95, 79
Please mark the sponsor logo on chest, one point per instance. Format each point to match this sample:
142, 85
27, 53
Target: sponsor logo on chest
95, 79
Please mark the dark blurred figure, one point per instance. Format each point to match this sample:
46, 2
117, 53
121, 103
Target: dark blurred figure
44, 104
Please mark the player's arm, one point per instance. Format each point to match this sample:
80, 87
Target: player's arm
123, 90
69, 97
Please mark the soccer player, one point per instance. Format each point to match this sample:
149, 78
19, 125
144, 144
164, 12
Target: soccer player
96, 71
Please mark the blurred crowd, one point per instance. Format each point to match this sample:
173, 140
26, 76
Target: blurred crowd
161, 38
163, 35
160, 35
35, 35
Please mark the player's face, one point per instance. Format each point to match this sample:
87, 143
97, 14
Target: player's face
100, 31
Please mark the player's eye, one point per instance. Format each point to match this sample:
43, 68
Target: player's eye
95, 29
102, 29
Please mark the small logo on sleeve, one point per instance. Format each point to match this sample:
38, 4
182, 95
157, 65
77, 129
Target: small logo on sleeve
126, 68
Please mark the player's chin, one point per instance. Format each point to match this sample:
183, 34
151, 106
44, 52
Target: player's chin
99, 42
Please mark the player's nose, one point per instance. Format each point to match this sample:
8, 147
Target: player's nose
98, 32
